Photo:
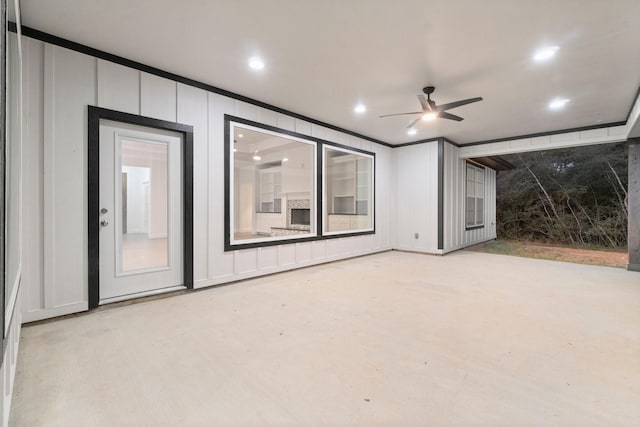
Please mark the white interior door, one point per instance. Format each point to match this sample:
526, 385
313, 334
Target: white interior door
140, 211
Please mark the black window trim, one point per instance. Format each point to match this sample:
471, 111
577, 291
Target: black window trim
484, 170
320, 143
373, 172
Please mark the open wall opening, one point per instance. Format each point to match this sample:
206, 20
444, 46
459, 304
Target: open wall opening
569, 200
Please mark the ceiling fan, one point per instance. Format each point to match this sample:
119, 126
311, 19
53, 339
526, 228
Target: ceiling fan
432, 111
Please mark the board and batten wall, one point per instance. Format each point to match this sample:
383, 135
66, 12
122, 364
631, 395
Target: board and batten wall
455, 234
417, 200
416, 206
59, 84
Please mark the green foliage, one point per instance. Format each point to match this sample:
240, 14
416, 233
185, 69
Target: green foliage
571, 196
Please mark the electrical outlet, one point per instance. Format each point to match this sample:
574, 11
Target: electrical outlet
417, 236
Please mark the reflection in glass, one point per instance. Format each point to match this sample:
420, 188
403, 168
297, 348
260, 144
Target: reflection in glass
144, 202
273, 186
348, 190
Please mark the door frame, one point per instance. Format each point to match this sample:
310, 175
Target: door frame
96, 114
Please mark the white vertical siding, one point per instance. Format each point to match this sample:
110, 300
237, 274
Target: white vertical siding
193, 107
118, 87
61, 83
69, 86
33, 291
417, 198
455, 235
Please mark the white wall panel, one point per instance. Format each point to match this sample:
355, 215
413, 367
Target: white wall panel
220, 262
319, 250
285, 122
246, 110
157, 97
32, 274
353, 141
268, 258
455, 234
268, 117
303, 127
118, 87
69, 88
417, 198
303, 252
246, 261
333, 247
318, 131
193, 110
286, 255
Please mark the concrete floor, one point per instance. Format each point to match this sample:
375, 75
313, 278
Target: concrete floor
384, 340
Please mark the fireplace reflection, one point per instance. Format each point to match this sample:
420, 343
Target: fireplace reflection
300, 216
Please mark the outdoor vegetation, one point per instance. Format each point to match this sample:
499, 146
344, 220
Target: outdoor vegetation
575, 197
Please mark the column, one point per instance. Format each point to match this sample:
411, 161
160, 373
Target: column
633, 239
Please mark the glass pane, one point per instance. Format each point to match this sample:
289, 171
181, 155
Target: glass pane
470, 188
348, 191
144, 217
470, 212
273, 186
470, 173
479, 211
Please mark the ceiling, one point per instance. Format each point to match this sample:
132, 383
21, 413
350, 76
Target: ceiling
323, 57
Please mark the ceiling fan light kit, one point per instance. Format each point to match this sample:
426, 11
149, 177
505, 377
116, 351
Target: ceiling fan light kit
431, 111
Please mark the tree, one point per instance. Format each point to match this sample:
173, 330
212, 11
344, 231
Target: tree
566, 196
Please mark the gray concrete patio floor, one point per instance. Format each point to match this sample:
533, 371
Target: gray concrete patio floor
389, 339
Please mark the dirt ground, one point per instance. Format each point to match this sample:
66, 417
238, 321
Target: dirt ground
556, 253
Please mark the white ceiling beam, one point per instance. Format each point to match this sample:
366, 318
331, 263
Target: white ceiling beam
561, 140
547, 142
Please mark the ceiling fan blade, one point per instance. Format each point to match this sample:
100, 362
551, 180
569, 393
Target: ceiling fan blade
424, 103
449, 116
413, 123
445, 107
401, 114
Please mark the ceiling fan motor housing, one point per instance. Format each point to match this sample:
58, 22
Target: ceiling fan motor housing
428, 90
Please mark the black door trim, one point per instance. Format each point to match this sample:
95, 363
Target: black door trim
93, 170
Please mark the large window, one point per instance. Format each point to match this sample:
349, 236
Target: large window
348, 191
272, 181
474, 206
285, 187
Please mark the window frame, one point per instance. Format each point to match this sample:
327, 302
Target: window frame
476, 224
325, 205
229, 243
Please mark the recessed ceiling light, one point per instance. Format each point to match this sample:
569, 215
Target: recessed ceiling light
285, 160
360, 108
240, 135
256, 63
429, 116
235, 149
558, 103
545, 53
412, 131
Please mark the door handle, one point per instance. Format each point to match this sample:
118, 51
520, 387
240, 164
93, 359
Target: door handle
104, 223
